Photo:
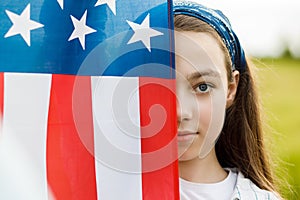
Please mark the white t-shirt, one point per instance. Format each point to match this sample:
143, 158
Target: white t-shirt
213, 191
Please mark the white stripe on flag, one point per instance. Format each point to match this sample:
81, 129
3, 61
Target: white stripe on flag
23, 143
117, 137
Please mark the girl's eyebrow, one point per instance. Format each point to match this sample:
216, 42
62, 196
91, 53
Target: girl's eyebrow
196, 75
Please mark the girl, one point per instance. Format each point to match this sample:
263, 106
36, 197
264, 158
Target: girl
220, 139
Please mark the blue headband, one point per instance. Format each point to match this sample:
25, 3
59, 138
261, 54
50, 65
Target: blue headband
220, 23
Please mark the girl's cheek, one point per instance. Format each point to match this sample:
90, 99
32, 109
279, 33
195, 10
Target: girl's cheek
204, 113
211, 121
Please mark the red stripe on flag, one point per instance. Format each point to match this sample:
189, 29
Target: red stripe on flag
159, 141
70, 165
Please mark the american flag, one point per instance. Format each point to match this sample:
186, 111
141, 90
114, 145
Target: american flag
87, 100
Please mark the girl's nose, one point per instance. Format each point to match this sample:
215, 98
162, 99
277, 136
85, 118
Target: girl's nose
184, 107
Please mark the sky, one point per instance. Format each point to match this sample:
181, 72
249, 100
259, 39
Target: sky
265, 27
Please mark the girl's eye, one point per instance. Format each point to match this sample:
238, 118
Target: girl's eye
203, 88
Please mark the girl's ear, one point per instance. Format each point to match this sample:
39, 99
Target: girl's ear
232, 88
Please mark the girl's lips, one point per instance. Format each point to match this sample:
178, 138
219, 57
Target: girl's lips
186, 136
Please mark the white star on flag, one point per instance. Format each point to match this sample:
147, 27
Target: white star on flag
81, 29
142, 32
22, 24
110, 3
61, 3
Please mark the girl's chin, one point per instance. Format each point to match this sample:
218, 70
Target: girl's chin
184, 154
184, 158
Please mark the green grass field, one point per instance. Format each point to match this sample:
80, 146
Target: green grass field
279, 83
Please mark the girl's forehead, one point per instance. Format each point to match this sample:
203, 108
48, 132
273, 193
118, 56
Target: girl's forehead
208, 67
198, 52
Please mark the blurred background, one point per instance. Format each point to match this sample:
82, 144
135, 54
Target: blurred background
269, 31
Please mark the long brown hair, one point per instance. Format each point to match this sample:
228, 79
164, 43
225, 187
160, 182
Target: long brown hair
240, 144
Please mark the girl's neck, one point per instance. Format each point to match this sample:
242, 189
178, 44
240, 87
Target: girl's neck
202, 170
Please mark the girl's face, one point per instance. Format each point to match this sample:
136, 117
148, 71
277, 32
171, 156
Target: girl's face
203, 93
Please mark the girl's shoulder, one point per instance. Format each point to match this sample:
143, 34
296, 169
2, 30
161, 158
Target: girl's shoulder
245, 189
